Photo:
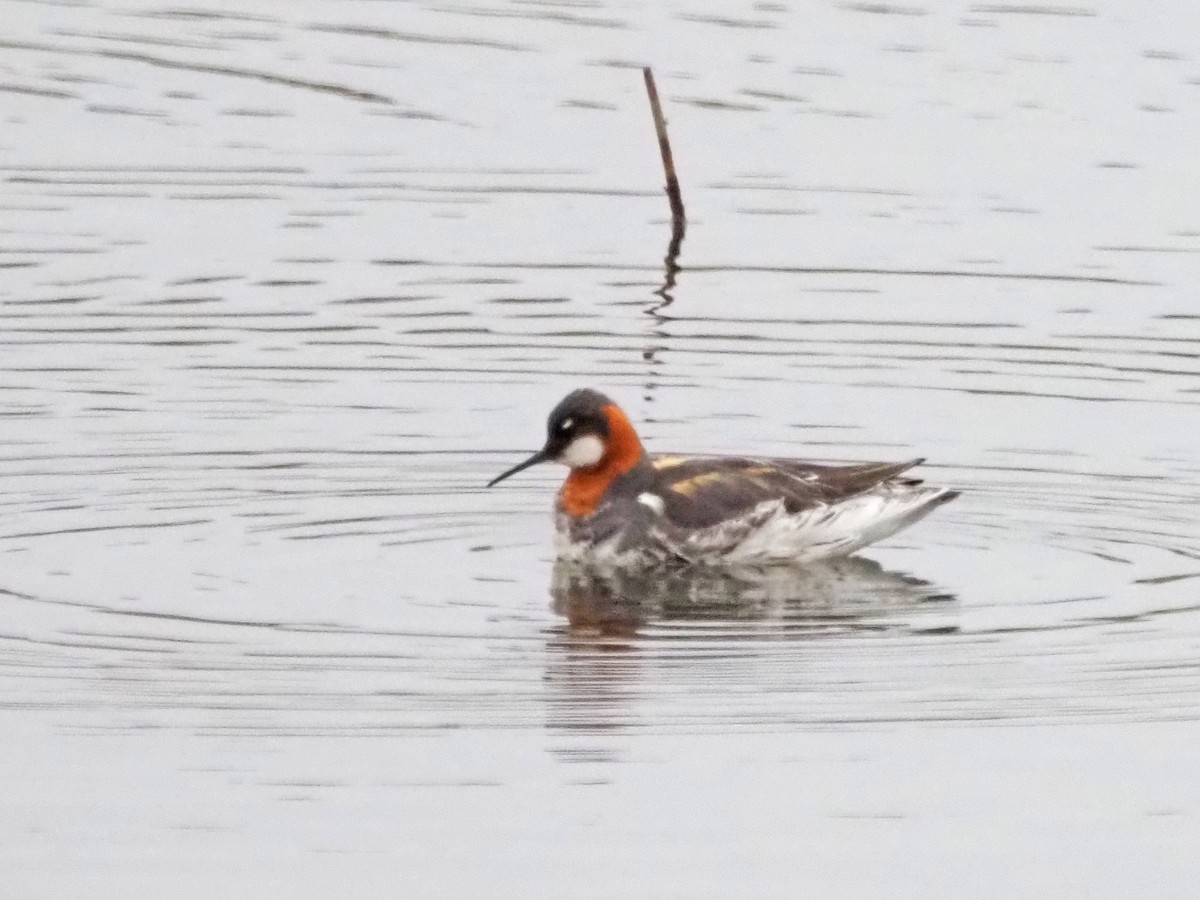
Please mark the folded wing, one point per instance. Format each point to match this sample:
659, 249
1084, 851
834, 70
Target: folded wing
698, 492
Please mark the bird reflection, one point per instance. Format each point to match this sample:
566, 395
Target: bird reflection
621, 625
839, 594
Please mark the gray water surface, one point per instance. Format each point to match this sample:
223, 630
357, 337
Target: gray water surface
283, 285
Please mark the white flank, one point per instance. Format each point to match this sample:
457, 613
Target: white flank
583, 452
825, 531
767, 534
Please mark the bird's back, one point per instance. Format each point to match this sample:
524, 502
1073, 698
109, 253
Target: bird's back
703, 491
753, 510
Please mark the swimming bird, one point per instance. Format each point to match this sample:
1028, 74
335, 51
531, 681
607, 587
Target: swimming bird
623, 506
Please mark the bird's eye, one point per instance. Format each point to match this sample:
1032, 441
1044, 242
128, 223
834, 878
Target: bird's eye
566, 424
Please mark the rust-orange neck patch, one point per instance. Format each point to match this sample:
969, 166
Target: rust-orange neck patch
584, 488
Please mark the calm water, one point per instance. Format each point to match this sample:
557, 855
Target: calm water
282, 285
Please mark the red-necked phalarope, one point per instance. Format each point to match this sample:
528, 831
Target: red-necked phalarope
622, 505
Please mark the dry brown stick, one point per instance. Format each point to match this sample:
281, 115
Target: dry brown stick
678, 218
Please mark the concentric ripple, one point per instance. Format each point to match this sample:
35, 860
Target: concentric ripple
282, 286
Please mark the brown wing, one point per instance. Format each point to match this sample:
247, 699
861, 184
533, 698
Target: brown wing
701, 491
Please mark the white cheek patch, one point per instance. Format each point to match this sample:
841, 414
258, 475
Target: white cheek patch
583, 452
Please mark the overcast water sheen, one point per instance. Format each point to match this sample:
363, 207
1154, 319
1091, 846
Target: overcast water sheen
283, 285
